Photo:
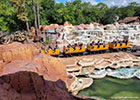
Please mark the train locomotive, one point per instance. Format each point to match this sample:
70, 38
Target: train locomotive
90, 49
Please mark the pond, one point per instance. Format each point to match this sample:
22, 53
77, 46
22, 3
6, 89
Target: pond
109, 88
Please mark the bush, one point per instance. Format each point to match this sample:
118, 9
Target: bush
47, 41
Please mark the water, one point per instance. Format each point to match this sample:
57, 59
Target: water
109, 88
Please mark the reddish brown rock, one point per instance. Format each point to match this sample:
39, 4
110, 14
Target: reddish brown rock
67, 24
17, 51
27, 75
33, 30
23, 57
31, 86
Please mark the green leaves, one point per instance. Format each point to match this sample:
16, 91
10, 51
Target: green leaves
6, 12
14, 13
19, 6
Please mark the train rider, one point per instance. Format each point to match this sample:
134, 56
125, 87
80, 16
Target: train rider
126, 41
104, 43
120, 43
49, 48
115, 42
98, 43
68, 46
92, 44
56, 47
80, 45
75, 45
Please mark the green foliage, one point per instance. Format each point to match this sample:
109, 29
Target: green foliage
47, 41
19, 6
6, 14
14, 13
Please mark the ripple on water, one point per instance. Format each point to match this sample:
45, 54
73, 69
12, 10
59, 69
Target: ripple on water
125, 72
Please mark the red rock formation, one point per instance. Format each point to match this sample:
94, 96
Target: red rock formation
33, 30
27, 75
31, 86
24, 57
17, 51
67, 24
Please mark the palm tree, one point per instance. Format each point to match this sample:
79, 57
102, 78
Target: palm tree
38, 16
34, 12
27, 23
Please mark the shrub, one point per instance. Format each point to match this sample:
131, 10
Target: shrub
47, 41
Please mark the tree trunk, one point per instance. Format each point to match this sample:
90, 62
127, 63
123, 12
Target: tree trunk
27, 25
38, 19
34, 12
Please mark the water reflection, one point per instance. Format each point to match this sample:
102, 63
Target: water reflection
109, 87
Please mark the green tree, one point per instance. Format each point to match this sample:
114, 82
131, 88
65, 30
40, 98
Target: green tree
100, 11
59, 13
6, 13
19, 6
110, 13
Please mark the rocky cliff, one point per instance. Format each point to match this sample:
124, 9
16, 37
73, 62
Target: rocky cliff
27, 75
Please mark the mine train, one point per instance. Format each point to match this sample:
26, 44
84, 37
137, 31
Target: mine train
89, 49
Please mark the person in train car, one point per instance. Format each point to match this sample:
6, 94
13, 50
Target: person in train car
49, 48
125, 41
75, 45
98, 43
80, 45
104, 43
56, 47
120, 42
68, 46
92, 44
115, 42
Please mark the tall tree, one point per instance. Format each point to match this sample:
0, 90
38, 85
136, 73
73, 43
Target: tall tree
6, 16
38, 19
109, 15
21, 11
35, 18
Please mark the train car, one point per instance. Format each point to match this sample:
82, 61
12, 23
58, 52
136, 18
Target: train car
110, 47
72, 50
119, 45
97, 48
51, 52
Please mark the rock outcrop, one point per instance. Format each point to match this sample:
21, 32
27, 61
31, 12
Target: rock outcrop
25, 74
23, 57
31, 86
85, 65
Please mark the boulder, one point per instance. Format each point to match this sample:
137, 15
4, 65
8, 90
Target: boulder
17, 51
67, 24
31, 86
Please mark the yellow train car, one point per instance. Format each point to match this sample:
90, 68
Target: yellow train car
51, 52
76, 50
119, 45
95, 47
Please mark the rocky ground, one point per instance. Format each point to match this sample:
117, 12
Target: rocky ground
25, 74
84, 65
